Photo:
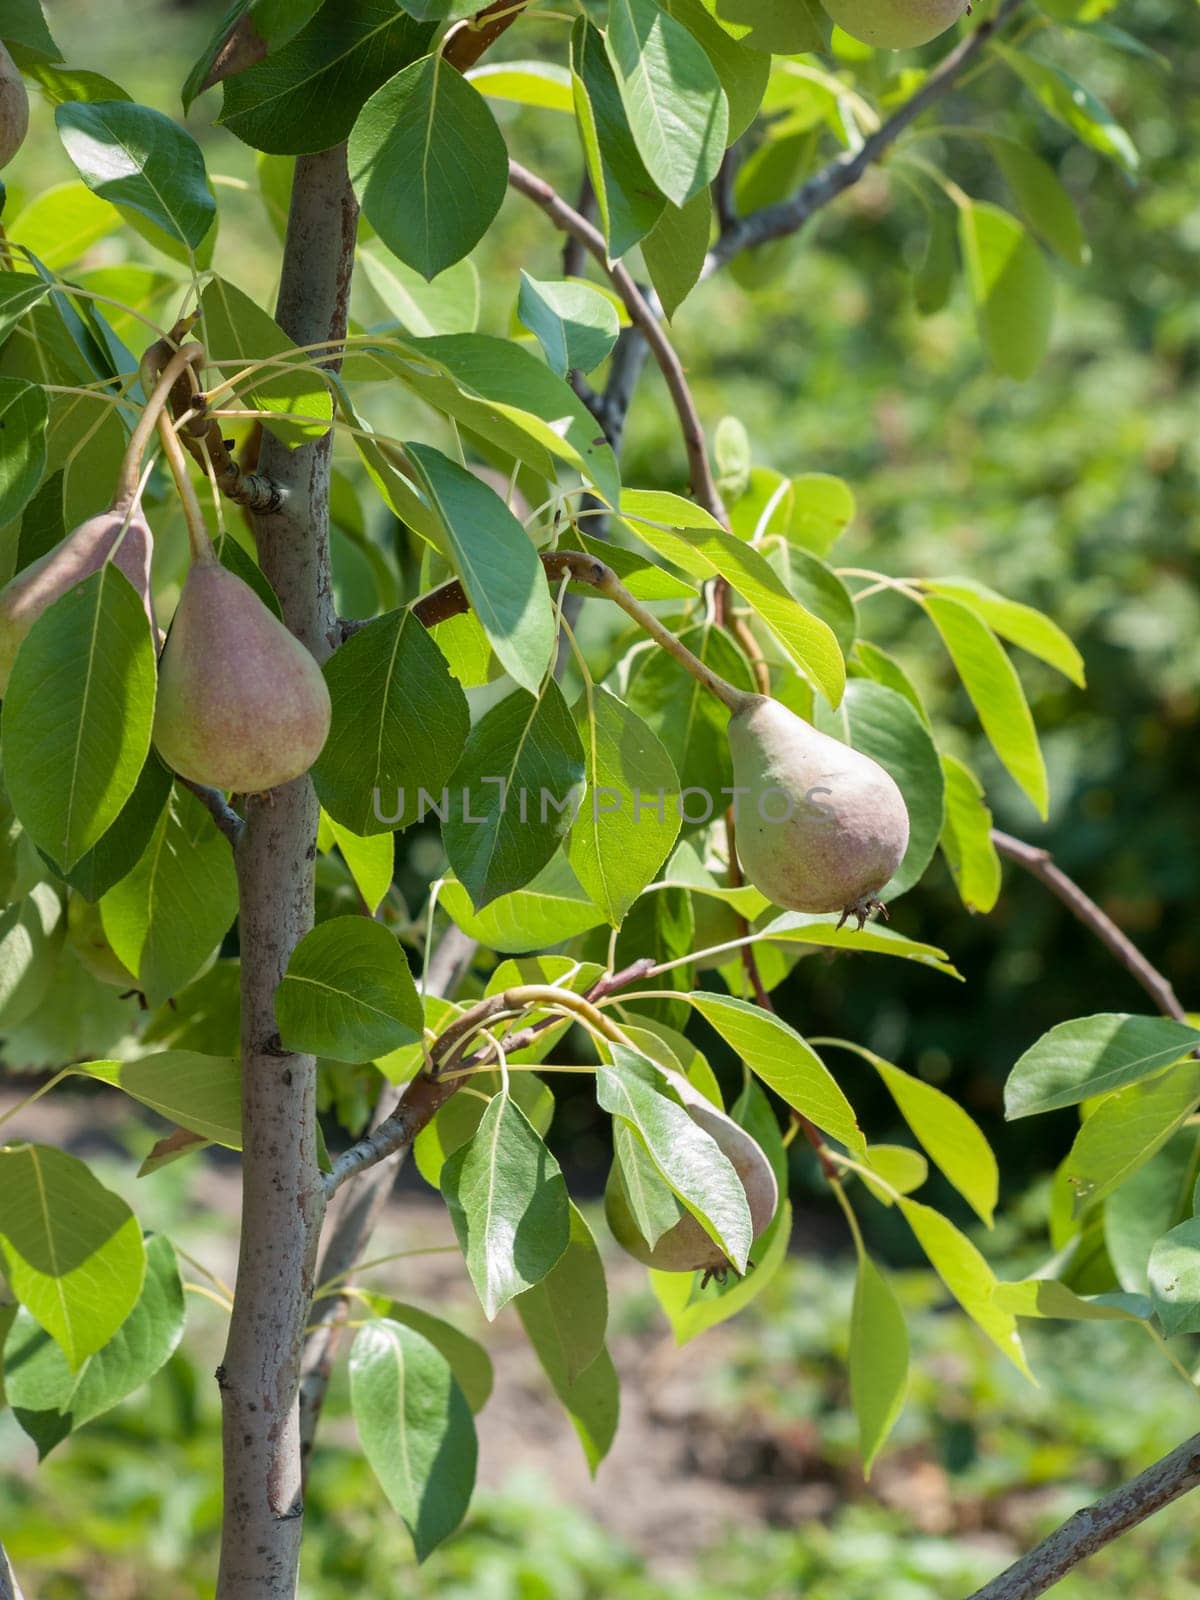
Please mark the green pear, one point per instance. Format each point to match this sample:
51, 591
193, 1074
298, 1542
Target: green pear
895, 24
819, 826
242, 705
116, 535
685, 1247
14, 108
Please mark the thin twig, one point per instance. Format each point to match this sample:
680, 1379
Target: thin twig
1040, 863
223, 814
642, 314
844, 171
1095, 1526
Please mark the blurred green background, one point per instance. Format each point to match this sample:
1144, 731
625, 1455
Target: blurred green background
1077, 491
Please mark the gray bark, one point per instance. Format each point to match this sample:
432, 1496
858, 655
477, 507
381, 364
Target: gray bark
282, 1195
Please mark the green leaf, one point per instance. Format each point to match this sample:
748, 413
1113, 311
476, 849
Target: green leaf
945, 1132
415, 1428
934, 277
508, 1203
675, 248
967, 838
1153, 1200
995, 691
510, 398
469, 1361
23, 25
236, 329
819, 590
306, 96
19, 292
1077, 108
428, 164
628, 201
785, 1062
691, 1310
371, 860
1020, 625
630, 817
1174, 1274
448, 304
552, 906
249, 31
400, 722
348, 993
801, 927
78, 713
1045, 1297
672, 96
693, 541
31, 932
885, 669
575, 324
141, 161
23, 417
1043, 200
743, 70
50, 1401
1093, 1055
72, 1250
457, 1121
687, 1158
878, 1359
1011, 285
121, 846
565, 1315
1126, 1129
202, 1093
167, 917
883, 725
541, 84
783, 27
497, 562
899, 1169
967, 1276
514, 793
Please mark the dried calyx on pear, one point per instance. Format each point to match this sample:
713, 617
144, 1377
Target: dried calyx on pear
685, 1246
14, 108
242, 705
120, 535
820, 826
895, 24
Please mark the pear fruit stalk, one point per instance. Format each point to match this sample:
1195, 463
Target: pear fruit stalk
685, 1246
820, 826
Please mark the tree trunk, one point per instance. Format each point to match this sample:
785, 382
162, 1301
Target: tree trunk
282, 1199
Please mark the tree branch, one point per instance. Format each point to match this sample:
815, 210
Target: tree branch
844, 171
223, 814
1040, 863
1095, 1526
643, 316
283, 1198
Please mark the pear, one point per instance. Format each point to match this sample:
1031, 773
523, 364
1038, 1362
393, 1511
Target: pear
819, 826
685, 1247
895, 24
119, 534
242, 705
14, 108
